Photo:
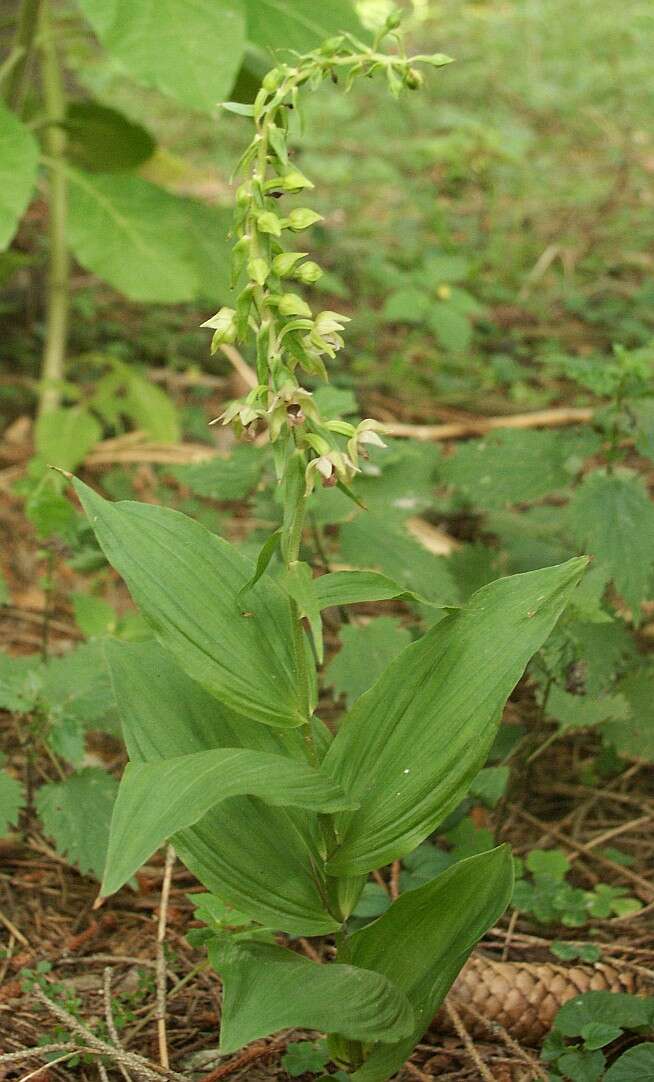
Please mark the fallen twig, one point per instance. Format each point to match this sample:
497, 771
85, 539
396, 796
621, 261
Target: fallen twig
478, 426
161, 957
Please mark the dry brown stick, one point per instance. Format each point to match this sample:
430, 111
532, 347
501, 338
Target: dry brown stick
416, 1072
251, 1055
109, 1018
161, 958
131, 1060
39, 1050
478, 426
394, 885
468, 1042
241, 367
645, 890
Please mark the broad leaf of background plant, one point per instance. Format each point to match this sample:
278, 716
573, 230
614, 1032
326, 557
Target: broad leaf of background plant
186, 581
144, 241
410, 747
103, 140
634, 1065
298, 24
612, 516
76, 814
193, 785
352, 587
12, 799
375, 541
365, 654
267, 988
19, 155
424, 939
259, 858
188, 49
231, 478
540, 462
151, 409
633, 736
63, 437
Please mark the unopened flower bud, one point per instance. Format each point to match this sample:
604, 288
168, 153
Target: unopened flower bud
332, 44
293, 181
394, 20
284, 263
224, 326
292, 305
267, 222
273, 79
308, 273
413, 79
258, 270
302, 218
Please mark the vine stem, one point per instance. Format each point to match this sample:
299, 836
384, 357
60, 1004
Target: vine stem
18, 62
52, 371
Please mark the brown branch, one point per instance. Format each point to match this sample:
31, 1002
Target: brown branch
479, 426
161, 958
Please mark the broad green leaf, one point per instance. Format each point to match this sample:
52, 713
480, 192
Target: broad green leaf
76, 814
633, 735
365, 654
615, 1008
190, 51
613, 516
584, 711
401, 479
374, 541
193, 785
19, 155
231, 478
94, 616
103, 140
539, 465
258, 858
422, 941
186, 582
352, 587
267, 988
439, 267
131, 234
76, 685
410, 747
298, 581
12, 799
452, 329
406, 305
64, 437
298, 24
490, 785
634, 1065
151, 409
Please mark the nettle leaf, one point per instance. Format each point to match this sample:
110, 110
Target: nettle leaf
103, 140
634, 1065
19, 156
365, 653
76, 686
230, 478
186, 581
490, 785
190, 51
410, 747
76, 814
374, 541
401, 479
298, 24
142, 240
540, 464
613, 516
633, 735
63, 437
451, 327
582, 711
407, 305
425, 937
259, 858
267, 988
150, 408
193, 785
12, 799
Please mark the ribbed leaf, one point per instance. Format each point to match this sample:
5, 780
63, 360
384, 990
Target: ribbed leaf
191, 785
186, 582
259, 858
298, 24
410, 746
423, 940
267, 988
19, 156
351, 587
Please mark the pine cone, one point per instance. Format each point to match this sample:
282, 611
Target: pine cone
525, 996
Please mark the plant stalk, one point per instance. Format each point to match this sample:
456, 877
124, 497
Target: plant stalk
18, 63
57, 302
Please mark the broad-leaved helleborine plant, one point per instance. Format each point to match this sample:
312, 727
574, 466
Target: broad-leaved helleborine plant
275, 815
